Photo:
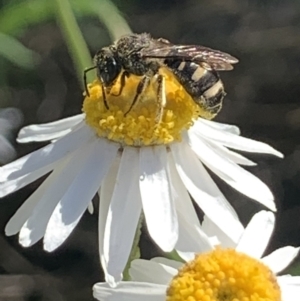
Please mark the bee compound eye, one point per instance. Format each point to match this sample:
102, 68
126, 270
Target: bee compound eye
110, 70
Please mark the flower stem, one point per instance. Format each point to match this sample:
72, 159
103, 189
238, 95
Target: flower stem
73, 36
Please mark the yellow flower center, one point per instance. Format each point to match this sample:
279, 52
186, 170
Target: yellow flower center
140, 125
224, 275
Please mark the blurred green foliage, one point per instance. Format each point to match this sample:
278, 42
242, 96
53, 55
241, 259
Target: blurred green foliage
19, 16
14, 51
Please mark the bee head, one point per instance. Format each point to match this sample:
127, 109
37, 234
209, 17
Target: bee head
108, 66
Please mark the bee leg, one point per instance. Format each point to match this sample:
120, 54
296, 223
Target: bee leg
142, 86
123, 79
161, 97
85, 79
104, 94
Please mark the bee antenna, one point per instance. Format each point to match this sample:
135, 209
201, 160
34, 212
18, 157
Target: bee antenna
84, 79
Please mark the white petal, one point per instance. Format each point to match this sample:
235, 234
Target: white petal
130, 291
186, 255
233, 141
46, 155
123, 214
158, 205
75, 201
217, 126
168, 262
10, 186
290, 287
91, 208
60, 135
23, 213
222, 151
149, 271
106, 191
280, 258
204, 191
289, 279
257, 234
213, 231
232, 174
48, 131
40, 137
191, 237
57, 184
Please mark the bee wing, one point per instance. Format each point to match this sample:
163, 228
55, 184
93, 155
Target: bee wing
206, 57
216, 59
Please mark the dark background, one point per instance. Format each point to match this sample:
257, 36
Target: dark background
263, 100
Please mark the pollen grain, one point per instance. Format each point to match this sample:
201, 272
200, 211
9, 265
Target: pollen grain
140, 127
224, 275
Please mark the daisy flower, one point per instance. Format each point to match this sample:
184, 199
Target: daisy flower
219, 274
139, 164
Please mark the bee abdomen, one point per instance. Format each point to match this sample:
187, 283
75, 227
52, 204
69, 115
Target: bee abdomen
212, 99
204, 86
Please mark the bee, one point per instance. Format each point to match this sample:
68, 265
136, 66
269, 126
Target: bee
195, 67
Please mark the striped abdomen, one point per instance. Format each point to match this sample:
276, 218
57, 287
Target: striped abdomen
204, 86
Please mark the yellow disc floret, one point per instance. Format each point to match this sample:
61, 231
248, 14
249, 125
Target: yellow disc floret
224, 275
140, 126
